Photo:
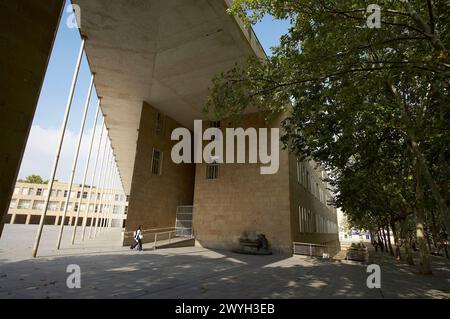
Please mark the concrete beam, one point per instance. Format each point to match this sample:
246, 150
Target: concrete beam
164, 52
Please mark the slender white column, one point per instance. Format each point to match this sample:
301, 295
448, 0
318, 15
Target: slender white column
110, 202
58, 150
124, 203
99, 179
114, 193
113, 190
107, 207
86, 167
92, 185
108, 195
75, 161
101, 193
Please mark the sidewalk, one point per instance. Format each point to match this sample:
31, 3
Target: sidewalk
400, 280
109, 270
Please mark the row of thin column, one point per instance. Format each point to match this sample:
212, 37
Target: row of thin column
104, 172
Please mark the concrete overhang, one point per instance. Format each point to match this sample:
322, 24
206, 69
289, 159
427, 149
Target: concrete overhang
164, 52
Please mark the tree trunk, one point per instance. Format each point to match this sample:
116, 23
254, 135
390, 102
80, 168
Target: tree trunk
398, 254
434, 232
420, 161
391, 251
383, 236
427, 236
406, 244
386, 245
380, 241
424, 265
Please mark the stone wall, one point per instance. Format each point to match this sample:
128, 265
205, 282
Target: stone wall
241, 199
300, 196
154, 198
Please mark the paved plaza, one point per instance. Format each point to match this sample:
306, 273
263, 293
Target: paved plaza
109, 270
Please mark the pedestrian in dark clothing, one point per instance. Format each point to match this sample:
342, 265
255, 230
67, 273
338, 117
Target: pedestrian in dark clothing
137, 236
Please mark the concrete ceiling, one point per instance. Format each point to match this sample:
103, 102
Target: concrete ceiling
164, 52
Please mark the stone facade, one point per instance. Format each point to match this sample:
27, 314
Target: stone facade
154, 197
310, 199
239, 200
242, 200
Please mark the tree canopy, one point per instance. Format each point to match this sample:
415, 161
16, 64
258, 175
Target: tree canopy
33, 179
370, 104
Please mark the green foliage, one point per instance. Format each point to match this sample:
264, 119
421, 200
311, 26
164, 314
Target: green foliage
371, 105
34, 179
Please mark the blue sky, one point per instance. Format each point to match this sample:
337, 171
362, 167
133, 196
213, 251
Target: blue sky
49, 114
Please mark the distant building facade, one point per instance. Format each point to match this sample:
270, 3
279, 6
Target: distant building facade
28, 200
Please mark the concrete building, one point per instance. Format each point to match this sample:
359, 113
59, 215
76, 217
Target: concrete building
28, 200
154, 61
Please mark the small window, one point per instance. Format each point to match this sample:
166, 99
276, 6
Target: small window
85, 195
156, 162
159, 126
39, 191
24, 204
212, 171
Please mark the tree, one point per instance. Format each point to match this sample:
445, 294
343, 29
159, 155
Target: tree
34, 179
347, 86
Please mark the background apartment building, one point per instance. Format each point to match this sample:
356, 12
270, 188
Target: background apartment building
28, 200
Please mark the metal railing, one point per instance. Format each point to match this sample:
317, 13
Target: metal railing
314, 250
160, 236
169, 233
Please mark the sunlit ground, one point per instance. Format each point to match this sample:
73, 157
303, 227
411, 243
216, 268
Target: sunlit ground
109, 270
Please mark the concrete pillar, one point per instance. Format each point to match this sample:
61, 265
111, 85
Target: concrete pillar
27, 222
28, 31
13, 219
56, 220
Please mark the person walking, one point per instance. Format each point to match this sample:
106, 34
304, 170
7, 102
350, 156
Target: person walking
137, 236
